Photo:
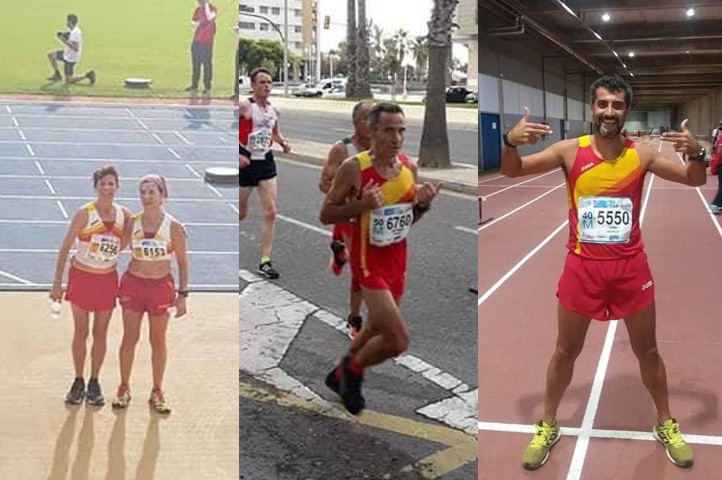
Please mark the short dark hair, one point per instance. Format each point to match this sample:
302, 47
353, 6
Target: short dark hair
255, 73
72, 19
380, 108
104, 171
613, 83
356, 113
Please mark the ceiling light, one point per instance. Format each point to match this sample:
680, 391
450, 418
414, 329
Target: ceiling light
631, 54
687, 51
690, 12
606, 17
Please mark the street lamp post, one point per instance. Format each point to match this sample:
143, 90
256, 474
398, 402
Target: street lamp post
284, 38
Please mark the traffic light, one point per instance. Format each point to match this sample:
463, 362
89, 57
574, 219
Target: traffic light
326, 22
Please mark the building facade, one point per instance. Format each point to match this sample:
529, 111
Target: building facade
467, 16
260, 29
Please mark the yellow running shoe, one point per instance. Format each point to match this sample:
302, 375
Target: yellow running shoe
122, 398
678, 451
537, 452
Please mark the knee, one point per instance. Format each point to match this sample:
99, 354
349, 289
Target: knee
242, 213
157, 341
269, 213
399, 344
130, 339
646, 352
567, 353
81, 333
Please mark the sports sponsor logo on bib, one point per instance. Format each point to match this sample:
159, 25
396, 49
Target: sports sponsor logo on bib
150, 249
104, 248
605, 219
390, 224
259, 142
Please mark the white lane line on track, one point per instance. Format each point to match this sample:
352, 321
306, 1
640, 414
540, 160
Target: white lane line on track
62, 209
50, 250
39, 167
498, 219
119, 199
50, 186
521, 183
22, 135
30, 150
184, 139
595, 433
117, 161
308, 226
103, 144
173, 152
7, 108
15, 221
214, 190
16, 278
15, 121
193, 171
467, 230
157, 138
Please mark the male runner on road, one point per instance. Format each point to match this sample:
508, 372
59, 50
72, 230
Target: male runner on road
606, 275
258, 128
378, 190
349, 146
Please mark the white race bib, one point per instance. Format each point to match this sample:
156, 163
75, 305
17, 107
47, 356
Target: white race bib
104, 248
605, 219
150, 249
259, 143
390, 224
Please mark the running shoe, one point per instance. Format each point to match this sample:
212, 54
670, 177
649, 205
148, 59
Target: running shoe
678, 451
91, 76
354, 324
716, 209
122, 398
340, 257
95, 395
350, 388
266, 268
157, 401
332, 382
537, 452
56, 77
76, 394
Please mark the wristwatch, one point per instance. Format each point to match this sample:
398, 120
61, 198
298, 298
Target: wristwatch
699, 158
507, 142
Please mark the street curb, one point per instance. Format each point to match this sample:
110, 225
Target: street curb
424, 175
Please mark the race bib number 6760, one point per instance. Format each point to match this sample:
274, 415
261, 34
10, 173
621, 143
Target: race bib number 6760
390, 224
605, 219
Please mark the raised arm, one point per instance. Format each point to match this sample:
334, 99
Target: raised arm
694, 173
526, 133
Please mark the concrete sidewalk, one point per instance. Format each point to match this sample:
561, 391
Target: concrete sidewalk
461, 178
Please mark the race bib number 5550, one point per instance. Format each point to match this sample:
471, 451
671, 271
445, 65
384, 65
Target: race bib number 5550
390, 224
605, 219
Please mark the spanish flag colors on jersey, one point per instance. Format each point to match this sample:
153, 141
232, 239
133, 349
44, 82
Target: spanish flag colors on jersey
399, 190
591, 176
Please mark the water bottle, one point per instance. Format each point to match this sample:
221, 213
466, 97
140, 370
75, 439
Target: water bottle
55, 309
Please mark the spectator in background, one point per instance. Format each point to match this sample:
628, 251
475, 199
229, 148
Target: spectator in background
204, 21
716, 205
70, 55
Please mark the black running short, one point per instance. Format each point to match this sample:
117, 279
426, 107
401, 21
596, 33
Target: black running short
256, 172
69, 67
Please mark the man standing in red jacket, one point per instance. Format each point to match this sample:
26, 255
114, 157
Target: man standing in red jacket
204, 20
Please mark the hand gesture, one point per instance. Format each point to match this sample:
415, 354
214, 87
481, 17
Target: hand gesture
180, 306
525, 133
56, 294
684, 141
426, 193
286, 147
243, 161
371, 195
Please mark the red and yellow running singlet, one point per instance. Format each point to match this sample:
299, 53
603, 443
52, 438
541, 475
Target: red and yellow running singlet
379, 235
604, 203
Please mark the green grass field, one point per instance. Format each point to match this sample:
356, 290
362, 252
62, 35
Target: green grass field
121, 39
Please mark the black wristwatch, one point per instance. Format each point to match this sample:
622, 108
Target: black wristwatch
183, 293
507, 142
699, 158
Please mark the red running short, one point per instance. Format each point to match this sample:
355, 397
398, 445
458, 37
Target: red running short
342, 232
394, 282
152, 295
93, 292
606, 289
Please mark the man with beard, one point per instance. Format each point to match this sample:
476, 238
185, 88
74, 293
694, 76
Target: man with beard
606, 274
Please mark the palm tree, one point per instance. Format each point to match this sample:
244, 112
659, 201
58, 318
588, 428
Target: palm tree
363, 88
434, 148
351, 48
378, 50
420, 51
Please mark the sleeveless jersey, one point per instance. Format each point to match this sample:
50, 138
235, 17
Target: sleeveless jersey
98, 244
351, 149
605, 199
255, 134
156, 248
379, 235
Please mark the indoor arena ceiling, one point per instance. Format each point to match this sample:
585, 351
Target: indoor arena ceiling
677, 57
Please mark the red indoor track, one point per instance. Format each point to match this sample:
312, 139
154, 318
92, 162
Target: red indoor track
606, 414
